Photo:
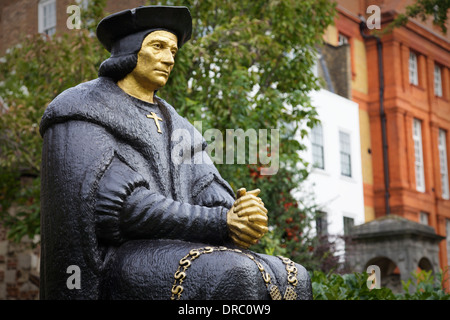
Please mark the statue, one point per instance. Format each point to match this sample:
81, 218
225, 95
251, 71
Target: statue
118, 210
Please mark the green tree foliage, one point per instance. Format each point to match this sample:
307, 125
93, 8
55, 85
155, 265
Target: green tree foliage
248, 66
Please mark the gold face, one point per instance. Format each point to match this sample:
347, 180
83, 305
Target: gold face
156, 59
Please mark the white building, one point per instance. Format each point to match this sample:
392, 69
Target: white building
333, 151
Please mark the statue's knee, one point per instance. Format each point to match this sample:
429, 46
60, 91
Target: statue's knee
238, 278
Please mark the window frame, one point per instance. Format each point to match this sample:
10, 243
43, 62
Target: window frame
443, 163
321, 224
318, 145
343, 39
347, 225
413, 68
84, 4
424, 218
419, 168
42, 19
344, 153
438, 92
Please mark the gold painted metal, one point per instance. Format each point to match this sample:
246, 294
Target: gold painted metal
183, 265
292, 279
275, 293
194, 253
260, 266
153, 116
290, 294
208, 249
180, 275
155, 61
247, 218
292, 271
177, 290
266, 277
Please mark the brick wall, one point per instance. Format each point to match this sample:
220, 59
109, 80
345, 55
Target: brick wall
19, 269
17, 19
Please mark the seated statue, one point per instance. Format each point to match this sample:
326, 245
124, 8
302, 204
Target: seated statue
118, 208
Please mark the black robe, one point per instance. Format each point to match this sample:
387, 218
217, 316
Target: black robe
117, 204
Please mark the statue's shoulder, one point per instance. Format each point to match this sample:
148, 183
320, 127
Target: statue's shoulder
80, 95
77, 101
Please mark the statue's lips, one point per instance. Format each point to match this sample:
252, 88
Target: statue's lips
162, 72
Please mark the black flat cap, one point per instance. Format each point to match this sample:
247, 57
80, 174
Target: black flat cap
121, 24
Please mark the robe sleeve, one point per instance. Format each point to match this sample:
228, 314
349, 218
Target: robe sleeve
127, 209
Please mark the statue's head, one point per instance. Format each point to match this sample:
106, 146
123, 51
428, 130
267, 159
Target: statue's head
155, 59
144, 41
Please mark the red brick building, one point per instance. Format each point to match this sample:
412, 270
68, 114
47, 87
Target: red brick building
411, 179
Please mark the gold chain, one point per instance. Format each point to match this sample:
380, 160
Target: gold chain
185, 263
292, 271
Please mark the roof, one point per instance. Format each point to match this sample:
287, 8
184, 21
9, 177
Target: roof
394, 226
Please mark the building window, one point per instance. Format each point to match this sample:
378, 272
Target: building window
342, 39
47, 17
317, 146
321, 224
442, 146
348, 225
346, 160
423, 218
413, 74
437, 80
418, 155
84, 4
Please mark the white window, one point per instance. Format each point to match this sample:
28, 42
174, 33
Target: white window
418, 155
84, 3
317, 147
47, 17
342, 39
346, 160
442, 146
413, 76
437, 81
423, 218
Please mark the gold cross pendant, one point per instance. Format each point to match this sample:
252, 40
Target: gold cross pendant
156, 118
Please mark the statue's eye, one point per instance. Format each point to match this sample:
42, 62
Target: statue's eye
157, 45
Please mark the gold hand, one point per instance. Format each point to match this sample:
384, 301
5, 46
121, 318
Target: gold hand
247, 218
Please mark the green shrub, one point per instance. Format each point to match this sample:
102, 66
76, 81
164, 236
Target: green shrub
333, 286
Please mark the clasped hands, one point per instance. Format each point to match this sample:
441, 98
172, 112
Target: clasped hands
247, 218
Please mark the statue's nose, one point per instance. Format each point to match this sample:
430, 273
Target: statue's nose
168, 58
